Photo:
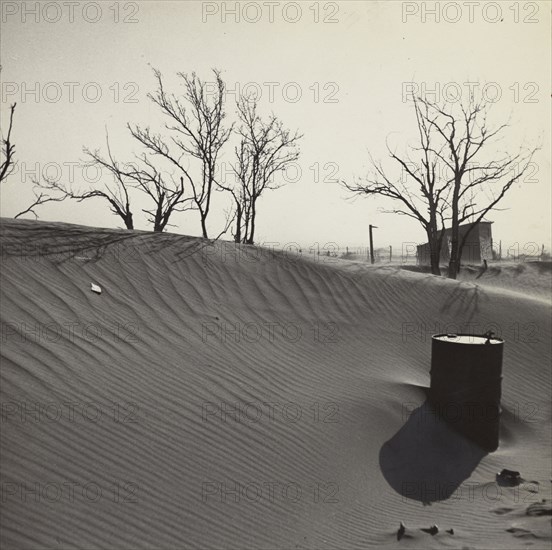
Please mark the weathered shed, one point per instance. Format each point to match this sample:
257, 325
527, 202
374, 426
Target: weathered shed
478, 245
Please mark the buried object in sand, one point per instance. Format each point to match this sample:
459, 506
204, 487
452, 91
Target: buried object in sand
401, 531
95, 288
433, 530
509, 476
466, 380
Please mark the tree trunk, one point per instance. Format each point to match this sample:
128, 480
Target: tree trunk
454, 261
251, 237
434, 240
129, 223
204, 225
435, 254
237, 236
159, 214
247, 218
206, 206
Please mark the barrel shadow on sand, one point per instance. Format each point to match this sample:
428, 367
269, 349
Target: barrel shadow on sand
427, 460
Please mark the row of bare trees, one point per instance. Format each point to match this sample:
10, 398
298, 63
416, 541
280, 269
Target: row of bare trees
447, 177
177, 169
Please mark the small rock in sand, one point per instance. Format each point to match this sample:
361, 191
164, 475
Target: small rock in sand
401, 531
450, 531
511, 477
433, 530
543, 508
95, 288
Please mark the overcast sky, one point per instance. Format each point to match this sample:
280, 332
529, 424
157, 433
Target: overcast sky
337, 72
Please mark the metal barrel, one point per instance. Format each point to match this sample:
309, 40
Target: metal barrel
466, 379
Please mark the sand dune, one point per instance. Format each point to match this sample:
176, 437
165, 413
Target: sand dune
530, 277
216, 396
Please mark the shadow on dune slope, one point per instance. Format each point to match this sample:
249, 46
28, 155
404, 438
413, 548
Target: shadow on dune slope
463, 301
62, 242
426, 460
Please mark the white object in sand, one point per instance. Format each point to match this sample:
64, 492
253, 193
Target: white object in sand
95, 288
468, 339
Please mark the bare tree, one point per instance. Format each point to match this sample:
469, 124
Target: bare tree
417, 190
450, 183
116, 194
8, 150
196, 124
265, 149
167, 198
197, 132
477, 185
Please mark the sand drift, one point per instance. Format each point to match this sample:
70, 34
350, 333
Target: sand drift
220, 396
